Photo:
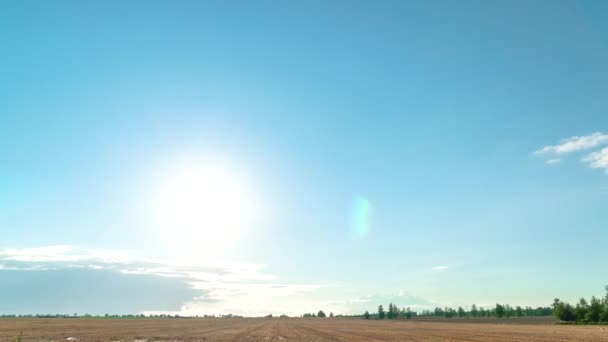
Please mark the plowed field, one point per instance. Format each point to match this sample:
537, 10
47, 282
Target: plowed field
290, 329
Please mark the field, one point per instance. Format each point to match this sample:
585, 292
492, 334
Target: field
292, 329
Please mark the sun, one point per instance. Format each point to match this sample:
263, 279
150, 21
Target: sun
204, 209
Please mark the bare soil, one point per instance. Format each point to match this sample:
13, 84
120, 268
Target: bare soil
290, 329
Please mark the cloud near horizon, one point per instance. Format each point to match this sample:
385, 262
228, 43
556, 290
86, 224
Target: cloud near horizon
595, 160
220, 288
99, 281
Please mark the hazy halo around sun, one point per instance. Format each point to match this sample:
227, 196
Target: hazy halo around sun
202, 209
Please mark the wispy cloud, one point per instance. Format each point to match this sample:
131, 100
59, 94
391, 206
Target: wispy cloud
595, 160
598, 160
575, 143
440, 268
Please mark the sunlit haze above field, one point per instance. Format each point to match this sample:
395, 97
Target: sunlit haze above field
256, 157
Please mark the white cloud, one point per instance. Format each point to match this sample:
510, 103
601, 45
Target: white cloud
575, 143
218, 288
595, 160
237, 288
598, 160
440, 268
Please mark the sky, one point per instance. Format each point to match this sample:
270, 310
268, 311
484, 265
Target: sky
255, 157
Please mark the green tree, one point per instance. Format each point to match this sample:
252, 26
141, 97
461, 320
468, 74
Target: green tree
381, 312
321, 314
393, 311
366, 315
581, 310
461, 312
519, 312
594, 310
604, 314
474, 311
508, 310
408, 313
499, 311
563, 311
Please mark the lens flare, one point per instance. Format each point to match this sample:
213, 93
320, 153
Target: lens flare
360, 218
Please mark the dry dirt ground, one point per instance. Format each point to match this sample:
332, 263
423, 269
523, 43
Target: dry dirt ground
289, 329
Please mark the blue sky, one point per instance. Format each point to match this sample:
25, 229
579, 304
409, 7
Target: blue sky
421, 152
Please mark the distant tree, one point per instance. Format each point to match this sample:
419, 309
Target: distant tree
393, 311
408, 313
563, 311
474, 311
594, 311
331, 314
461, 312
518, 311
321, 314
366, 314
604, 314
499, 311
508, 310
381, 313
438, 311
580, 311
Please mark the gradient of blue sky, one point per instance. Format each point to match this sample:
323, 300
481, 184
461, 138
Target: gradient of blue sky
431, 110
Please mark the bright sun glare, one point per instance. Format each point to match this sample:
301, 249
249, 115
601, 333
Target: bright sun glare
203, 209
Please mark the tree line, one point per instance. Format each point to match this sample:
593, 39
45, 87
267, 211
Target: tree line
584, 312
320, 314
593, 311
498, 311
